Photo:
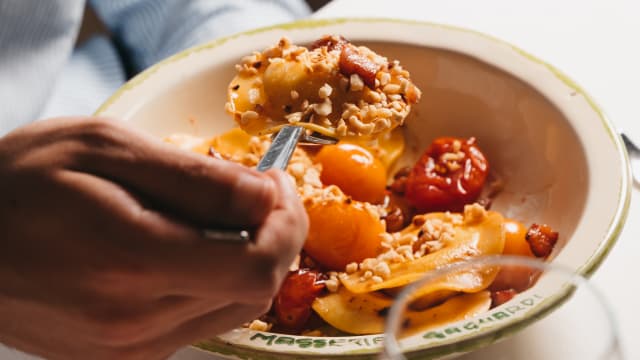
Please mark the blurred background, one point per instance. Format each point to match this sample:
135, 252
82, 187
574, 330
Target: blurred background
91, 24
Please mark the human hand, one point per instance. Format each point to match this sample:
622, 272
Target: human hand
101, 255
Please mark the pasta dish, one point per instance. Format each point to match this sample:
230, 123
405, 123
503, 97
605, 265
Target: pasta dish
374, 228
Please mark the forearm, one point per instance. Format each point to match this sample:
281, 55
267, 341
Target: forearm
150, 30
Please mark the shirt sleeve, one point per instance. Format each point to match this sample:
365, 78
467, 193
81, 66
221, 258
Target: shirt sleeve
36, 40
150, 30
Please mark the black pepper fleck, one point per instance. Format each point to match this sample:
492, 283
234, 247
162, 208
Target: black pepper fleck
383, 312
406, 323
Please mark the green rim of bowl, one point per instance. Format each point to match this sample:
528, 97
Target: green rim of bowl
473, 340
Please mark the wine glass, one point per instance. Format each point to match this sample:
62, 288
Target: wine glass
561, 316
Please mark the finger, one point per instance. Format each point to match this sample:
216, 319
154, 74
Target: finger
245, 273
286, 227
289, 200
141, 254
167, 257
128, 277
200, 188
115, 244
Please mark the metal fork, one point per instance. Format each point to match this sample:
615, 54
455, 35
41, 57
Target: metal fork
634, 156
285, 142
277, 157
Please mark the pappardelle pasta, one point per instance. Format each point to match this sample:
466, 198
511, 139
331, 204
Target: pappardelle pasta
368, 236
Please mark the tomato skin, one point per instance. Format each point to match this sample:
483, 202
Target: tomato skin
341, 232
515, 239
292, 304
541, 239
354, 170
440, 184
502, 296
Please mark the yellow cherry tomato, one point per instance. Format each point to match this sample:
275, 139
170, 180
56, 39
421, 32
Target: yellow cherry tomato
354, 170
515, 243
341, 232
518, 278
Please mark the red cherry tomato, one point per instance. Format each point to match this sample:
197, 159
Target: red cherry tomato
450, 174
502, 296
292, 305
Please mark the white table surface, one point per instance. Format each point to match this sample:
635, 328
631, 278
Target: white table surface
596, 42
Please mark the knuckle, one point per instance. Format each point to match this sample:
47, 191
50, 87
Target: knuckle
111, 282
99, 134
117, 280
91, 137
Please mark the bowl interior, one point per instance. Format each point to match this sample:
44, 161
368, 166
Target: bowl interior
528, 141
542, 136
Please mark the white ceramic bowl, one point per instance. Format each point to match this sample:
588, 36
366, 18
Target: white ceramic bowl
561, 159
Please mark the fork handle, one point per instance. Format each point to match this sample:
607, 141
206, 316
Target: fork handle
634, 158
281, 149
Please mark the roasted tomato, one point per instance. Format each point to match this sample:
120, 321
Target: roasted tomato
450, 174
502, 296
515, 278
354, 170
542, 239
395, 219
292, 305
353, 62
341, 232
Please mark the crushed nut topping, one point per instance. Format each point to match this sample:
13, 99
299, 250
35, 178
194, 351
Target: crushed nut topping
332, 284
259, 325
432, 235
474, 214
384, 88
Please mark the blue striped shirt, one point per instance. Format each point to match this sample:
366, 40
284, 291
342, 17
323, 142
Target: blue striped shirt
42, 75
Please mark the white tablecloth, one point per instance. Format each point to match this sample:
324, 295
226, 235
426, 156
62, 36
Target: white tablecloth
594, 42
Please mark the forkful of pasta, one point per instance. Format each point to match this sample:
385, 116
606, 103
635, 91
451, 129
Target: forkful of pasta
319, 95
330, 91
